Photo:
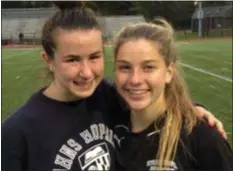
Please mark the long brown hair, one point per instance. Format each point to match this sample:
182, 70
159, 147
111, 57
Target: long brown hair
179, 110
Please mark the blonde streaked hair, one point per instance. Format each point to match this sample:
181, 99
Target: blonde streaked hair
179, 107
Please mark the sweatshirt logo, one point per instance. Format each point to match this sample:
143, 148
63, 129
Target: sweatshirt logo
154, 165
95, 158
85, 155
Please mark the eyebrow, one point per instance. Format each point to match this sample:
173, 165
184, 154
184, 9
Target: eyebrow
95, 53
78, 56
121, 61
72, 56
150, 61
144, 62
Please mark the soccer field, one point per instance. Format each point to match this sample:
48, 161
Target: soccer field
207, 69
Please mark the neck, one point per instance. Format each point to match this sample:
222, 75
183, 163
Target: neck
55, 91
140, 120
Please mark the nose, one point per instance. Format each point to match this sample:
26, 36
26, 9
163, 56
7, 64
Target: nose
136, 77
85, 71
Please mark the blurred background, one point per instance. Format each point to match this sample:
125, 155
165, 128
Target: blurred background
27, 17
203, 31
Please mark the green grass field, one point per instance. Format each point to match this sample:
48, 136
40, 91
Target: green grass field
207, 70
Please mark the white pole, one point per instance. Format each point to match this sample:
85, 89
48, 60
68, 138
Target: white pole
200, 19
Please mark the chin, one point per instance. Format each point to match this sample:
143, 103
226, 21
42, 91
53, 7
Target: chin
85, 94
80, 93
138, 105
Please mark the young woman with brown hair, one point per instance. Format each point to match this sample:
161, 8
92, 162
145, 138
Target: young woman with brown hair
162, 131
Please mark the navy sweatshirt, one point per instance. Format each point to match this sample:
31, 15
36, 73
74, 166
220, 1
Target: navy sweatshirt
209, 151
46, 134
50, 135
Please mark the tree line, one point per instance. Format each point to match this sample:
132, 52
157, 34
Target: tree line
177, 12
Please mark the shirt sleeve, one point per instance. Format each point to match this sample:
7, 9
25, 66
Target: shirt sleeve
212, 151
13, 147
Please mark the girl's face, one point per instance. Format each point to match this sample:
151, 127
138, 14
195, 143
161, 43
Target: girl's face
141, 73
78, 63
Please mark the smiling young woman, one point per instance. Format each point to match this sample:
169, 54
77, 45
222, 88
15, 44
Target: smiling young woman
162, 130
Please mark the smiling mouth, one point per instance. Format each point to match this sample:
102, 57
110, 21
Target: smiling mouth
137, 92
85, 85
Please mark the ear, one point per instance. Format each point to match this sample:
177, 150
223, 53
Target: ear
48, 60
170, 72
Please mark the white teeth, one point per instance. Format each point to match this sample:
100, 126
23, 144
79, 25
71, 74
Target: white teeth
82, 83
137, 91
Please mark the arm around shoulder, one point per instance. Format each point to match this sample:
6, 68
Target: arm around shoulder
213, 152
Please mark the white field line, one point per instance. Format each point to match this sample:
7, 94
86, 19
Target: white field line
183, 43
18, 54
206, 72
200, 70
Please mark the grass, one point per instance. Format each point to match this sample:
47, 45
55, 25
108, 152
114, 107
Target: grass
22, 75
214, 93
